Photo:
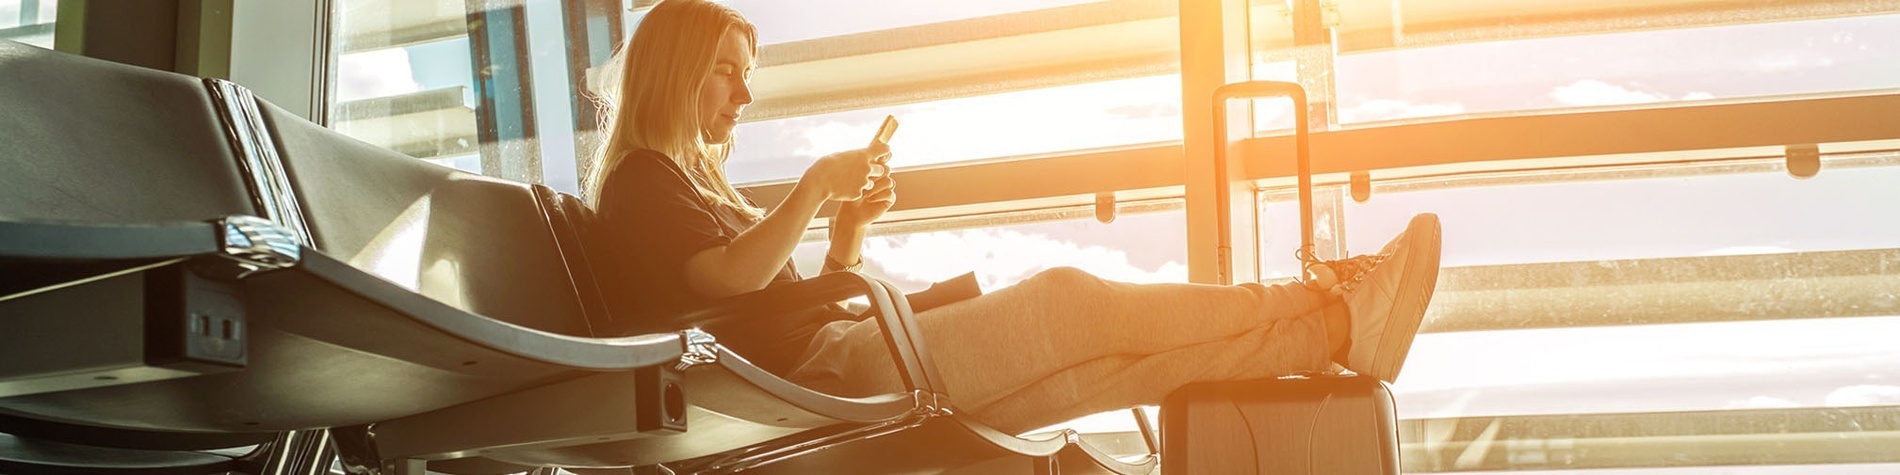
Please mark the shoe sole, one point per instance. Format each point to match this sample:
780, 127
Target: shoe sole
1396, 341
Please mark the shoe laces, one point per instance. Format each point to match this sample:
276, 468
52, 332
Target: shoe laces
1350, 272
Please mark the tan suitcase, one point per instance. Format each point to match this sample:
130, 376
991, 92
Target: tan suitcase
1320, 425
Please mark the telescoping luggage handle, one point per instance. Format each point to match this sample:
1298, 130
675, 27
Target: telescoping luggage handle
1222, 202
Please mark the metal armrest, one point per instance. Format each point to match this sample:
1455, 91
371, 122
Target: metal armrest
887, 305
78, 241
609, 354
44, 256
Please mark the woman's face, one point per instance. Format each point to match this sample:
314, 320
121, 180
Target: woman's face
724, 93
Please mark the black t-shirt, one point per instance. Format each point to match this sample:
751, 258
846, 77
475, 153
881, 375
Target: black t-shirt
651, 220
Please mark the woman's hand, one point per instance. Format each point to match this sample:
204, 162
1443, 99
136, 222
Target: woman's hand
848, 175
858, 214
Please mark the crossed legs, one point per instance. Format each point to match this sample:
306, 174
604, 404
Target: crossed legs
1065, 343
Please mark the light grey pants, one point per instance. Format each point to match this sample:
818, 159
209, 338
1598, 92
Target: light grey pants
1064, 344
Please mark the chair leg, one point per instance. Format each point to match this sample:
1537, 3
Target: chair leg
356, 450
651, 470
407, 467
1148, 433
1046, 466
300, 452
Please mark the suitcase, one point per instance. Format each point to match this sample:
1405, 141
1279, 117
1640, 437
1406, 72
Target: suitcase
1322, 424
1319, 425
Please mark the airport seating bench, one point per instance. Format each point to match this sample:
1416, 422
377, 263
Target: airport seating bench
193, 280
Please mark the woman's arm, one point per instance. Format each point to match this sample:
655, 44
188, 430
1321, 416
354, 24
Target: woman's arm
755, 256
853, 219
846, 243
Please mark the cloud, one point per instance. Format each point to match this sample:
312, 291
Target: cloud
1082, 116
1864, 395
1746, 251
374, 74
1001, 257
832, 136
1591, 92
1388, 109
1761, 402
1789, 61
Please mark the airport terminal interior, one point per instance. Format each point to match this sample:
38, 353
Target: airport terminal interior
359, 236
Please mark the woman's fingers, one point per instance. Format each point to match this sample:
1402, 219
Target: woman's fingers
887, 197
885, 191
865, 167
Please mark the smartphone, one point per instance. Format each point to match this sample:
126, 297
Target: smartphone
885, 131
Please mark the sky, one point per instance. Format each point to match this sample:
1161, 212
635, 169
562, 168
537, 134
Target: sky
1450, 374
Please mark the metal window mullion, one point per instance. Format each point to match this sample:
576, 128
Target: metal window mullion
1315, 66
594, 29
1214, 52
1601, 134
498, 45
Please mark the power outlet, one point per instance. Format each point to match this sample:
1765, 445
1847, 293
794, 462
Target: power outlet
193, 320
659, 400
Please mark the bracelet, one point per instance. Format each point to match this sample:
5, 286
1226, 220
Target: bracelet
831, 264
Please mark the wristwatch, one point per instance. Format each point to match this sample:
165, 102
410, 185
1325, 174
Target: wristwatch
831, 264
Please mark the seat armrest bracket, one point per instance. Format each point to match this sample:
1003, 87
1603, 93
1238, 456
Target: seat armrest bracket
699, 348
255, 244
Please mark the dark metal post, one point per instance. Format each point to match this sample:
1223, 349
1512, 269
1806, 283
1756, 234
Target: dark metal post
300, 452
498, 42
594, 31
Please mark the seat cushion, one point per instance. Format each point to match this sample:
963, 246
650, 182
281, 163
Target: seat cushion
87, 140
476, 243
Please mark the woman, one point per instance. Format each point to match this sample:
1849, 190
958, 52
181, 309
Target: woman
1060, 345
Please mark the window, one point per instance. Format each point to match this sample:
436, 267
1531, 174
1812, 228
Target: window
29, 21
1095, 72
487, 90
1717, 313
1621, 291
1144, 243
1705, 63
1622, 304
1396, 60
813, 19
1114, 113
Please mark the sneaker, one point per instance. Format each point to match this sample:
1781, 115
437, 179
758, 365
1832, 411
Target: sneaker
1388, 302
1336, 277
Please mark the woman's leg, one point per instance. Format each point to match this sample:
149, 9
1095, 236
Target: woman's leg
1120, 381
999, 343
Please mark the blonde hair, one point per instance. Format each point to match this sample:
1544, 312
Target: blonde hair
650, 98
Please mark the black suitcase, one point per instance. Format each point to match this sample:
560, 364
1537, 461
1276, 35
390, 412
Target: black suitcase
1298, 425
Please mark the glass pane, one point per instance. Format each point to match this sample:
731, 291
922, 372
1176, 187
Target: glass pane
1793, 355
1662, 315
1083, 116
1831, 469
1141, 247
1617, 69
1648, 213
431, 80
1805, 363
796, 21
1275, 115
28, 21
